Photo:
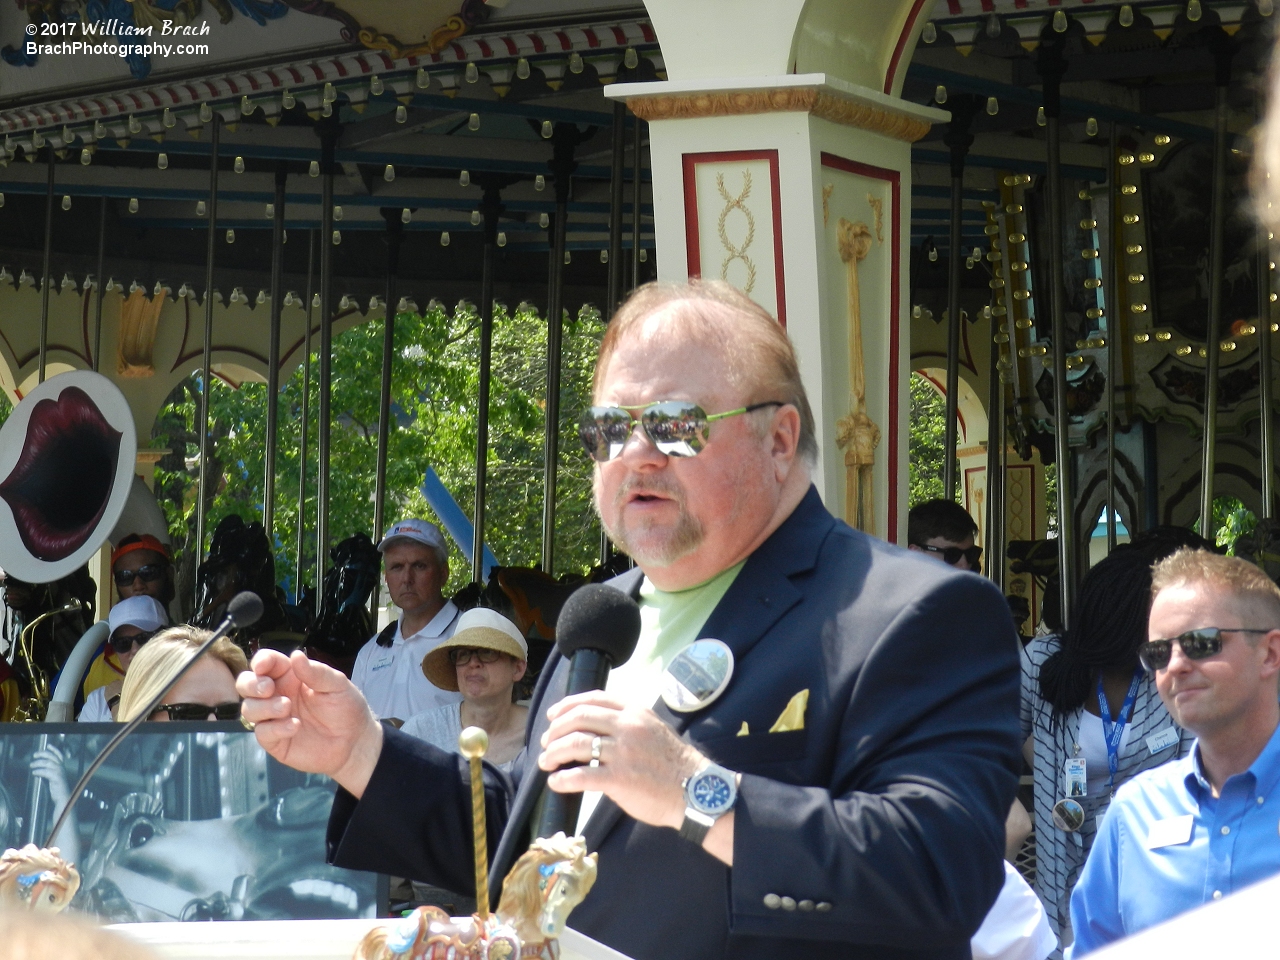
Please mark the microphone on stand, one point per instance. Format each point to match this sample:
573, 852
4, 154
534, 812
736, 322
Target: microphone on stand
244, 610
597, 630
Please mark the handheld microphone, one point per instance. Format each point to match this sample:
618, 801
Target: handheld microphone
597, 630
244, 610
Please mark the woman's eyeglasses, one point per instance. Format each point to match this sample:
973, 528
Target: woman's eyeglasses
149, 572
122, 644
1196, 645
677, 428
200, 711
952, 555
461, 656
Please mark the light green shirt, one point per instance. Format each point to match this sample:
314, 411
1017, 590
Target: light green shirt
669, 622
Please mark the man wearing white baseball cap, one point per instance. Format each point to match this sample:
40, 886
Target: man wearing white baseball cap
485, 659
388, 669
132, 622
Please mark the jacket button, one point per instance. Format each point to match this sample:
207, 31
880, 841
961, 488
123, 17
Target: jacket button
805, 905
788, 904
824, 907
772, 901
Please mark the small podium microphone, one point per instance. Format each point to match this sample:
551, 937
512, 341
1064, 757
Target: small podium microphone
244, 610
597, 630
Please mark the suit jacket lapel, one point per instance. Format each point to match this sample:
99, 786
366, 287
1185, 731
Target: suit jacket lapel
758, 597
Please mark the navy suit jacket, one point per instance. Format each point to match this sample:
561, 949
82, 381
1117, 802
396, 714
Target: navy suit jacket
889, 806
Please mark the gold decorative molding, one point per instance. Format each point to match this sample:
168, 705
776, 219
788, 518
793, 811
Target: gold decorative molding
821, 103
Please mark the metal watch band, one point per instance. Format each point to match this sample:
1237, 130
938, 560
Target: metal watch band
695, 826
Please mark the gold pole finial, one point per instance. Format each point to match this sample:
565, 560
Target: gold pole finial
473, 743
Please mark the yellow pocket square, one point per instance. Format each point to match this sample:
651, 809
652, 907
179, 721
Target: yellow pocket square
792, 718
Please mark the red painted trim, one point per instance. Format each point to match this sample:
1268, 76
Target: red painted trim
894, 178
693, 251
907, 27
942, 389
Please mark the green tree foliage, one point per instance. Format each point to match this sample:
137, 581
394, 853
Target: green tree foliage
926, 449
435, 385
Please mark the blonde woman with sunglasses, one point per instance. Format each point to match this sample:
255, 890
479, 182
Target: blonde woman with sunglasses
205, 692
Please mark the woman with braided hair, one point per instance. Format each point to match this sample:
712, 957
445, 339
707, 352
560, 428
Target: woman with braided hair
1091, 715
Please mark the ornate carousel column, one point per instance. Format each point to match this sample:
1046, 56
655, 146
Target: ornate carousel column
781, 162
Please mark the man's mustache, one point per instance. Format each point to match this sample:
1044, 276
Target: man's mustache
661, 487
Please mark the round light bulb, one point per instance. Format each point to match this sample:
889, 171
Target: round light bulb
330, 93
375, 86
389, 174
444, 238
1041, 119
231, 236
86, 156
464, 178
337, 213
271, 211
201, 209
475, 218
246, 106
1266, 8
631, 59
287, 100
1126, 15
135, 125
472, 73
206, 111
337, 237
314, 169
994, 28
1091, 127
539, 183
568, 257
238, 166
522, 69
575, 62
940, 94
133, 204
604, 256
402, 113
162, 161
1193, 10
547, 130
930, 33
544, 220
66, 202
423, 79
406, 215
502, 238
933, 255
1059, 21
99, 130
473, 122
993, 106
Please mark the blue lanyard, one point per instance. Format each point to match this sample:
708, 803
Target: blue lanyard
1112, 733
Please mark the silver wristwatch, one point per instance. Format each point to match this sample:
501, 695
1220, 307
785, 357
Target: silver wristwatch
708, 795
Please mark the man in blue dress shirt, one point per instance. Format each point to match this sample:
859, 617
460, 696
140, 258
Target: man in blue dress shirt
1201, 828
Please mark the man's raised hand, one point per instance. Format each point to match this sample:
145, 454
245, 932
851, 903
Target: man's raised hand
311, 717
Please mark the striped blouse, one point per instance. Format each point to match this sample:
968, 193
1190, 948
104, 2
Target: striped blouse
1060, 855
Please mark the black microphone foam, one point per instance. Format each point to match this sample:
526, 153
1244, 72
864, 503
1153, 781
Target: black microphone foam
244, 609
598, 617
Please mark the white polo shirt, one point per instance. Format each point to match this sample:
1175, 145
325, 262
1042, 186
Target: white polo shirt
391, 678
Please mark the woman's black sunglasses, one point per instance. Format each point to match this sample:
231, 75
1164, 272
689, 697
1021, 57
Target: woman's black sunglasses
149, 572
200, 711
122, 644
1196, 645
678, 428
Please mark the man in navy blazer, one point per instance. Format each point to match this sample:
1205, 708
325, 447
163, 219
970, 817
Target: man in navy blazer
872, 826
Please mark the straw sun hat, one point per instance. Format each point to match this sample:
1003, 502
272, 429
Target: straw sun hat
479, 628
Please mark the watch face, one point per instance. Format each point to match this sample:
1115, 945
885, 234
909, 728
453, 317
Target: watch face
711, 793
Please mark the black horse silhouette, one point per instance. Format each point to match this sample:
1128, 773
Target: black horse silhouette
344, 625
239, 559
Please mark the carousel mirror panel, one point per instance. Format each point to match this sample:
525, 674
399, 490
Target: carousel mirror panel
185, 821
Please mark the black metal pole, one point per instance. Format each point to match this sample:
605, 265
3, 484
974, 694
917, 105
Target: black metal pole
273, 359
306, 414
47, 268
491, 207
1265, 385
206, 367
97, 308
1052, 66
995, 475
959, 139
328, 138
1112, 299
395, 236
636, 190
564, 142
1213, 326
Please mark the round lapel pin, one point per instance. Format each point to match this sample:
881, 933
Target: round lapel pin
697, 676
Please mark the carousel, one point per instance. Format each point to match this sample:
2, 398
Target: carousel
1038, 210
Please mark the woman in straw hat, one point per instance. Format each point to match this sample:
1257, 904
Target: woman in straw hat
483, 661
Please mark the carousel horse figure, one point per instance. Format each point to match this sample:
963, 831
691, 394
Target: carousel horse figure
37, 878
343, 625
551, 878
239, 559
